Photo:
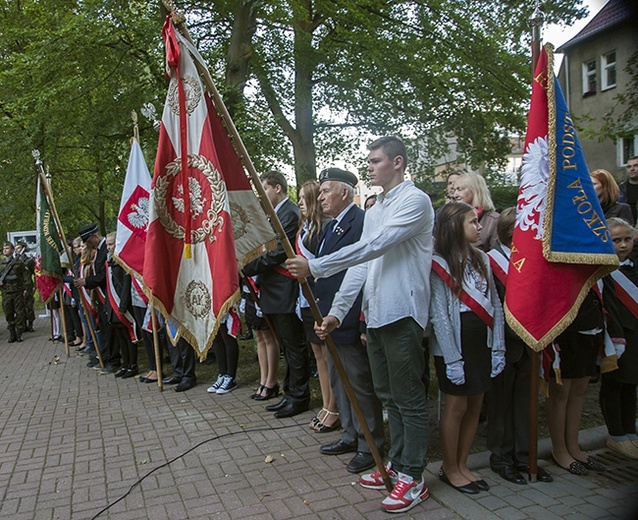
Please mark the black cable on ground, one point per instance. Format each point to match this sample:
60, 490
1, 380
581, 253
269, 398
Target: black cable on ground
216, 437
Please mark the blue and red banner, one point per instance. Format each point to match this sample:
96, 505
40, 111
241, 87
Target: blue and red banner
561, 244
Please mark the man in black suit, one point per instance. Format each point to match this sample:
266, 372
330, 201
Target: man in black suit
97, 280
336, 195
278, 297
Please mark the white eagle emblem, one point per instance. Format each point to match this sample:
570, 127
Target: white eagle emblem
138, 217
195, 198
532, 198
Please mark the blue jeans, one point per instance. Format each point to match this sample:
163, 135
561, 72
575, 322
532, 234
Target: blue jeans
397, 361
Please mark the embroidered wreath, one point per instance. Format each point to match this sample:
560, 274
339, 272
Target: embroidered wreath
218, 202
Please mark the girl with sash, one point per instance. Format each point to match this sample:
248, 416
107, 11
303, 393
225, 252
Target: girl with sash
308, 242
468, 340
618, 387
87, 256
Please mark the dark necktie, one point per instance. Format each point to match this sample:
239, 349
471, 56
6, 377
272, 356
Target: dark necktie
330, 229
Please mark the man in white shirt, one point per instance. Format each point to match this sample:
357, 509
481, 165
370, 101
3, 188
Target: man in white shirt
392, 262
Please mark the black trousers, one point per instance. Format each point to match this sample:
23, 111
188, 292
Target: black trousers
183, 360
289, 330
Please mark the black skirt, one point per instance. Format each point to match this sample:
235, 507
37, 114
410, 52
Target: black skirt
578, 354
477, 358
252, 320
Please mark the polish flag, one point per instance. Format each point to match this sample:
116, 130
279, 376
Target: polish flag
191, 263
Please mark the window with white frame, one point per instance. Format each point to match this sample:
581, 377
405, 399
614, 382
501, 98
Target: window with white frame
608, 70
626, 147
589, 77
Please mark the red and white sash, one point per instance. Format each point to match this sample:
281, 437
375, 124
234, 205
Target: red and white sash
626, 291
138, 288
114, 299
470, 296
500, 264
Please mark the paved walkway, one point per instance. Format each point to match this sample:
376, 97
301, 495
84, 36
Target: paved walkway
73, 442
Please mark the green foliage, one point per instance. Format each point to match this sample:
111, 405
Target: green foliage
70, 74
322, 77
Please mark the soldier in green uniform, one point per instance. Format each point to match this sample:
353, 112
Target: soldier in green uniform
13, 279
29, 300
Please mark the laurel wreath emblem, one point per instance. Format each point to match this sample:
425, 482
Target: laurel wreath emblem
218, 190
192, 91
240, 220
198, 299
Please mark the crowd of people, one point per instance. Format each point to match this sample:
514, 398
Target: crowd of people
394, 284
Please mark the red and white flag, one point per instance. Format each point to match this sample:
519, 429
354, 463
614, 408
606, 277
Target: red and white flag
132, 219
191, 265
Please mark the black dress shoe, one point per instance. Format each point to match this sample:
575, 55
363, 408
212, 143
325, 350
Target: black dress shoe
278, 406
130, 372
510, 474
338, 448
290, 410
470, 489
360, 462
120, 372
541, 474
185, 384
173, 380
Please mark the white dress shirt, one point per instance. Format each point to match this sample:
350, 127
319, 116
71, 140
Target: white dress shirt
393, 259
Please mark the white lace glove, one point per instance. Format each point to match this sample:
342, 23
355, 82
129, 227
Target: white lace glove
455, 372
498, 362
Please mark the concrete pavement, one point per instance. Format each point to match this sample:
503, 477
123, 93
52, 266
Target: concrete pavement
78, 445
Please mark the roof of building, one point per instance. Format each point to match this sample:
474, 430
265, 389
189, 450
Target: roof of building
611, 14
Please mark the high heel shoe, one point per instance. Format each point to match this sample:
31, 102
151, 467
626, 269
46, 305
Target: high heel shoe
258, 392
269, 393
322, 427
314, 422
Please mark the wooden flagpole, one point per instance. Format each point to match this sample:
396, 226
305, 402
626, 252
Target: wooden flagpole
158, 355
536, 23
49, 195
63, 320
178, 20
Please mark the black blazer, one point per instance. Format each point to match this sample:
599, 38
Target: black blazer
348, 232
98, 279
278, 292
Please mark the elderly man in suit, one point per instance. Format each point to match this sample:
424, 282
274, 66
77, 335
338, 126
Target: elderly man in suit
278, 298
336, 195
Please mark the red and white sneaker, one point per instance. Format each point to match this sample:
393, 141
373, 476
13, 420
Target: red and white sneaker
406, 494
375, 481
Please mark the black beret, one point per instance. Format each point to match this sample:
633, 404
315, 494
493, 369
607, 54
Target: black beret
337, 174
88, 231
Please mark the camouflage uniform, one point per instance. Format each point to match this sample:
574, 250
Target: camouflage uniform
29, 300
13, 287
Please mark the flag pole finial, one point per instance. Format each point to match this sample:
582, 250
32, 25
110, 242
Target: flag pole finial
536, 21
149, 112
136, 129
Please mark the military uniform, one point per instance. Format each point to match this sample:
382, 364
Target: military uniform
15, 278
29, 300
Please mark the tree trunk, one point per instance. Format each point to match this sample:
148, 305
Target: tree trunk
239, 53
305, 63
